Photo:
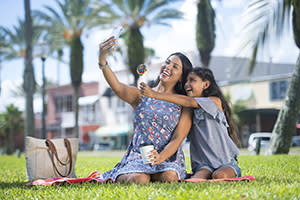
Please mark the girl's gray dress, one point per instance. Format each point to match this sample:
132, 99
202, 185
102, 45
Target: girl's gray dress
210, 144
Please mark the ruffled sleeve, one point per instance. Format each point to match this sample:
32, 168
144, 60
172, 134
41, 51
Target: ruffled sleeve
209, 107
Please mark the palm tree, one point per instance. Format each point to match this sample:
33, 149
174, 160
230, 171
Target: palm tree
11, 122
267, 18
205, 30
65, 28
134, 14
20, 40
29, 80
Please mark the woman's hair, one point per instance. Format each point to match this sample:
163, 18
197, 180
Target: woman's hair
213, 90
186, 68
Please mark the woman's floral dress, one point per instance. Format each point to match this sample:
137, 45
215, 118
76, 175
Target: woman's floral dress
154, 122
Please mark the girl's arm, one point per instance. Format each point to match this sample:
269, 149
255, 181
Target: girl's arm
181, 131
129, 94
179, 99
182, 100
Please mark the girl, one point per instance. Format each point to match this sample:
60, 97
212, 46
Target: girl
213, 152
158, 122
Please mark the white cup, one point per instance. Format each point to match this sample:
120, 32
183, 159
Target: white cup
145, 150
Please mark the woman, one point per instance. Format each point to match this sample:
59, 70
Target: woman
161, 123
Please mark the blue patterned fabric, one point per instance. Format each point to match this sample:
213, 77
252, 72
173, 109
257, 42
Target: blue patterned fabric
154, 122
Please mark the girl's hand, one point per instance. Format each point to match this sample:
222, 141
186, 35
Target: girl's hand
155, 158
105, 48
146, 90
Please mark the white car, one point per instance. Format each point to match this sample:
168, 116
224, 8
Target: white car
264, 142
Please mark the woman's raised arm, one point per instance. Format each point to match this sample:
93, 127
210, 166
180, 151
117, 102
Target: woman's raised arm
127, 93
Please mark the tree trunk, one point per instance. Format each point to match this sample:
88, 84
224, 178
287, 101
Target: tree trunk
286, 122
29, 82
205, 31
76, 107
76, 69
296, 22
136, 52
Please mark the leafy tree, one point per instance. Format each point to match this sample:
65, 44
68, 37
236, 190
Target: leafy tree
205, 30
11, 123
266, 20
134, 14
65, 28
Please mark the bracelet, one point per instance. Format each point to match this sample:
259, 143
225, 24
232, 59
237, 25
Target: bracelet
103, 66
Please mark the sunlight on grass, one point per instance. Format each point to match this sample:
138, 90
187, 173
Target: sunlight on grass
277, 176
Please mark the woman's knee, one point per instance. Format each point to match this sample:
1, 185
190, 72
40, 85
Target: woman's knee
169, 176
138, 178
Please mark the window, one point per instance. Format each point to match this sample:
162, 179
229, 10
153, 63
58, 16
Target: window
68, 103
64, 104
278, 89
58, 104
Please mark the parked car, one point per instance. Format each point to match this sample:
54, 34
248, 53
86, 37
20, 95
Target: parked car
264, 142
102, 146
295, 141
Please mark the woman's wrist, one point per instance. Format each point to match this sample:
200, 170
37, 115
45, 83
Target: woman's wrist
103, 66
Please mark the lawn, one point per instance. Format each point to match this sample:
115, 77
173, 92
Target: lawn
277, 177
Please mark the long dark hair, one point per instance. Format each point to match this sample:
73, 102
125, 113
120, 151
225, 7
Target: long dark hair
213, 90
186, 68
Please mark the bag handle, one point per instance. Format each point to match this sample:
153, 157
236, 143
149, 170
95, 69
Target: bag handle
53, 152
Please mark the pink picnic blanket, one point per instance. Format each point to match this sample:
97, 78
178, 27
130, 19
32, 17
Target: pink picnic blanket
94, 177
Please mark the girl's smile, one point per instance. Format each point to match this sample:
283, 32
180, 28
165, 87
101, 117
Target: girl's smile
195, 86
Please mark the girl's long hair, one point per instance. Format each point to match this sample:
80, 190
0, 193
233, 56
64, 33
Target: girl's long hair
213, 90
186, 68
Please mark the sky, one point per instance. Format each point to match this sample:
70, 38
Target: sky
165, 40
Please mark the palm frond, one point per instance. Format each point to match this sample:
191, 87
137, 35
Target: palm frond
155, 5
265, 19
167, 14
121, 6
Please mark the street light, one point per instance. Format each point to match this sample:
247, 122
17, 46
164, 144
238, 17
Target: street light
43, 50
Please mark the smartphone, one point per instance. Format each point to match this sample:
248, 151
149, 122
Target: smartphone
117, 30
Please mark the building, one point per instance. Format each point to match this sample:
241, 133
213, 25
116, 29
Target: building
61, 116
115, 116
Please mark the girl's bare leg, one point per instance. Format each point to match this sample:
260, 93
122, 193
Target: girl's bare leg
224, 172
203, 174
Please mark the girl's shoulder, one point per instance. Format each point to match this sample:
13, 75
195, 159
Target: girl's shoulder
210, 102
212, 106
217, 101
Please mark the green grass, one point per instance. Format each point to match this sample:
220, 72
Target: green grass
278, 177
